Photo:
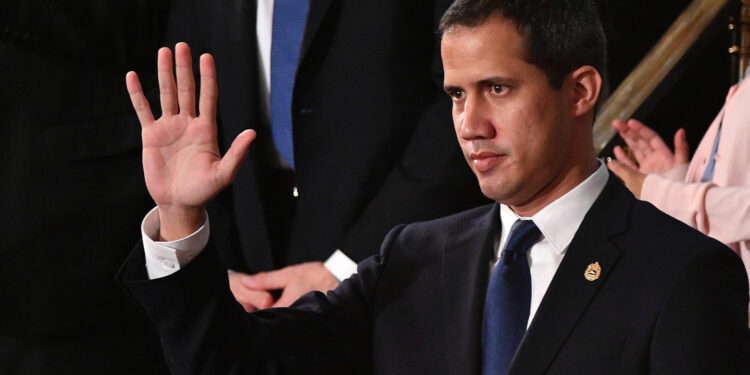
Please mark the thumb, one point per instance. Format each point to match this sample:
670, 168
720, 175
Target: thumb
623, 157
681, 148
619, 169
230, 163
632, 178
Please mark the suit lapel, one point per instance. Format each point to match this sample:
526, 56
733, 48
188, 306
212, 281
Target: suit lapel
315, 15
466, 266
570, 293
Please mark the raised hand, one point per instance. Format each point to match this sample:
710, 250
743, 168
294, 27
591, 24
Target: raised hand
650, 151
181, 160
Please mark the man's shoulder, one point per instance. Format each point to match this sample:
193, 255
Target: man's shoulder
456, 222
658, 237
432, 234
639, 228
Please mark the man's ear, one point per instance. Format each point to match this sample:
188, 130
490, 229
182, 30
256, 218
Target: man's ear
585, 89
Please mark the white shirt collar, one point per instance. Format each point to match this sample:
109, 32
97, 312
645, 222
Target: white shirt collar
559, 220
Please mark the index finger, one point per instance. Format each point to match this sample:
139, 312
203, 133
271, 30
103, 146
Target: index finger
625, 131
266, 280
642, 130
140, 104
632, 137
651, 137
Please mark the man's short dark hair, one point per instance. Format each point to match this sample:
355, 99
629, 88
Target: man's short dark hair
560, 35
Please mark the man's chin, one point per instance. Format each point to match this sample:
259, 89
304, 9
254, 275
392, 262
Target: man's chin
493, 191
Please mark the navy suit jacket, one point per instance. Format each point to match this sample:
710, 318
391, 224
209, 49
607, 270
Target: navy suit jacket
669, 300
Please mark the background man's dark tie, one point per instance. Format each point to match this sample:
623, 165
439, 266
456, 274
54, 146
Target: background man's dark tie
288, 28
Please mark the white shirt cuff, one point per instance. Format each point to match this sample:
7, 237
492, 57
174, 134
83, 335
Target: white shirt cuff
340, 266
164, 258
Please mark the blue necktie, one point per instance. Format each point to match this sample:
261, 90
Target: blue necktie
288, 27
506, 310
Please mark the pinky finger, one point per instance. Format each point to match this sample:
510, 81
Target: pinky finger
140, 104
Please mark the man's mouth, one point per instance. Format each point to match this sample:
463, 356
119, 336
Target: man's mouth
485, 160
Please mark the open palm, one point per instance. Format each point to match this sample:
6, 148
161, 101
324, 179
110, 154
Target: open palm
181, 161
650, 151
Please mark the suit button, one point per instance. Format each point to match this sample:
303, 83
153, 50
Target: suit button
295, 192
305, 111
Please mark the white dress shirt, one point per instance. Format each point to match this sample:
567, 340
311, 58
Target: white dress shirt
164, 258
558, 222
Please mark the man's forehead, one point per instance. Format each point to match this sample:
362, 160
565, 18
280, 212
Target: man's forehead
495, 35
492, 24
480, 52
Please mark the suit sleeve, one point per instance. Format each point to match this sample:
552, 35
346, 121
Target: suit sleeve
205, 331
702, 326
720, 212
430, 180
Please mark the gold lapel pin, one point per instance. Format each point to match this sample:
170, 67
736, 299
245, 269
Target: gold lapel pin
593, 271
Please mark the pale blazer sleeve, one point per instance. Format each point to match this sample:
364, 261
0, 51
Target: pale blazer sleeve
720, 212
721, 208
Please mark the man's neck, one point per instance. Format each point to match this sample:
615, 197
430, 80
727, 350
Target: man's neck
558, 187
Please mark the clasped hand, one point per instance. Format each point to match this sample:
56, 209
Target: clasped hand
181, 161
253, 291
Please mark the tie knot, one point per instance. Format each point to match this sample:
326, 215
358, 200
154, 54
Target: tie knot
523, 234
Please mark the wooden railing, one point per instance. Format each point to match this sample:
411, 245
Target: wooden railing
644, 79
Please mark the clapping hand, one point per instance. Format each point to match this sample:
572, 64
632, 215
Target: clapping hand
181, 161
651, 153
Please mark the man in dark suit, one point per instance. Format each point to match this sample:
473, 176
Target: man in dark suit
372, 145
588, 281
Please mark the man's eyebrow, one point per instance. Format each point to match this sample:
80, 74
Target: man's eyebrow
489, 81
450, 89
496, 81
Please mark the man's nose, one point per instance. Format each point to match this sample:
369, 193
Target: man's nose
476, 122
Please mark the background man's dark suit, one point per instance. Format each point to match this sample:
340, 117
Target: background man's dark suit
373, 139
70, 174
663, 304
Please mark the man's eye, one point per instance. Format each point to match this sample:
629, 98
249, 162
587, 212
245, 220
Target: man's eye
456, 94
499, 89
